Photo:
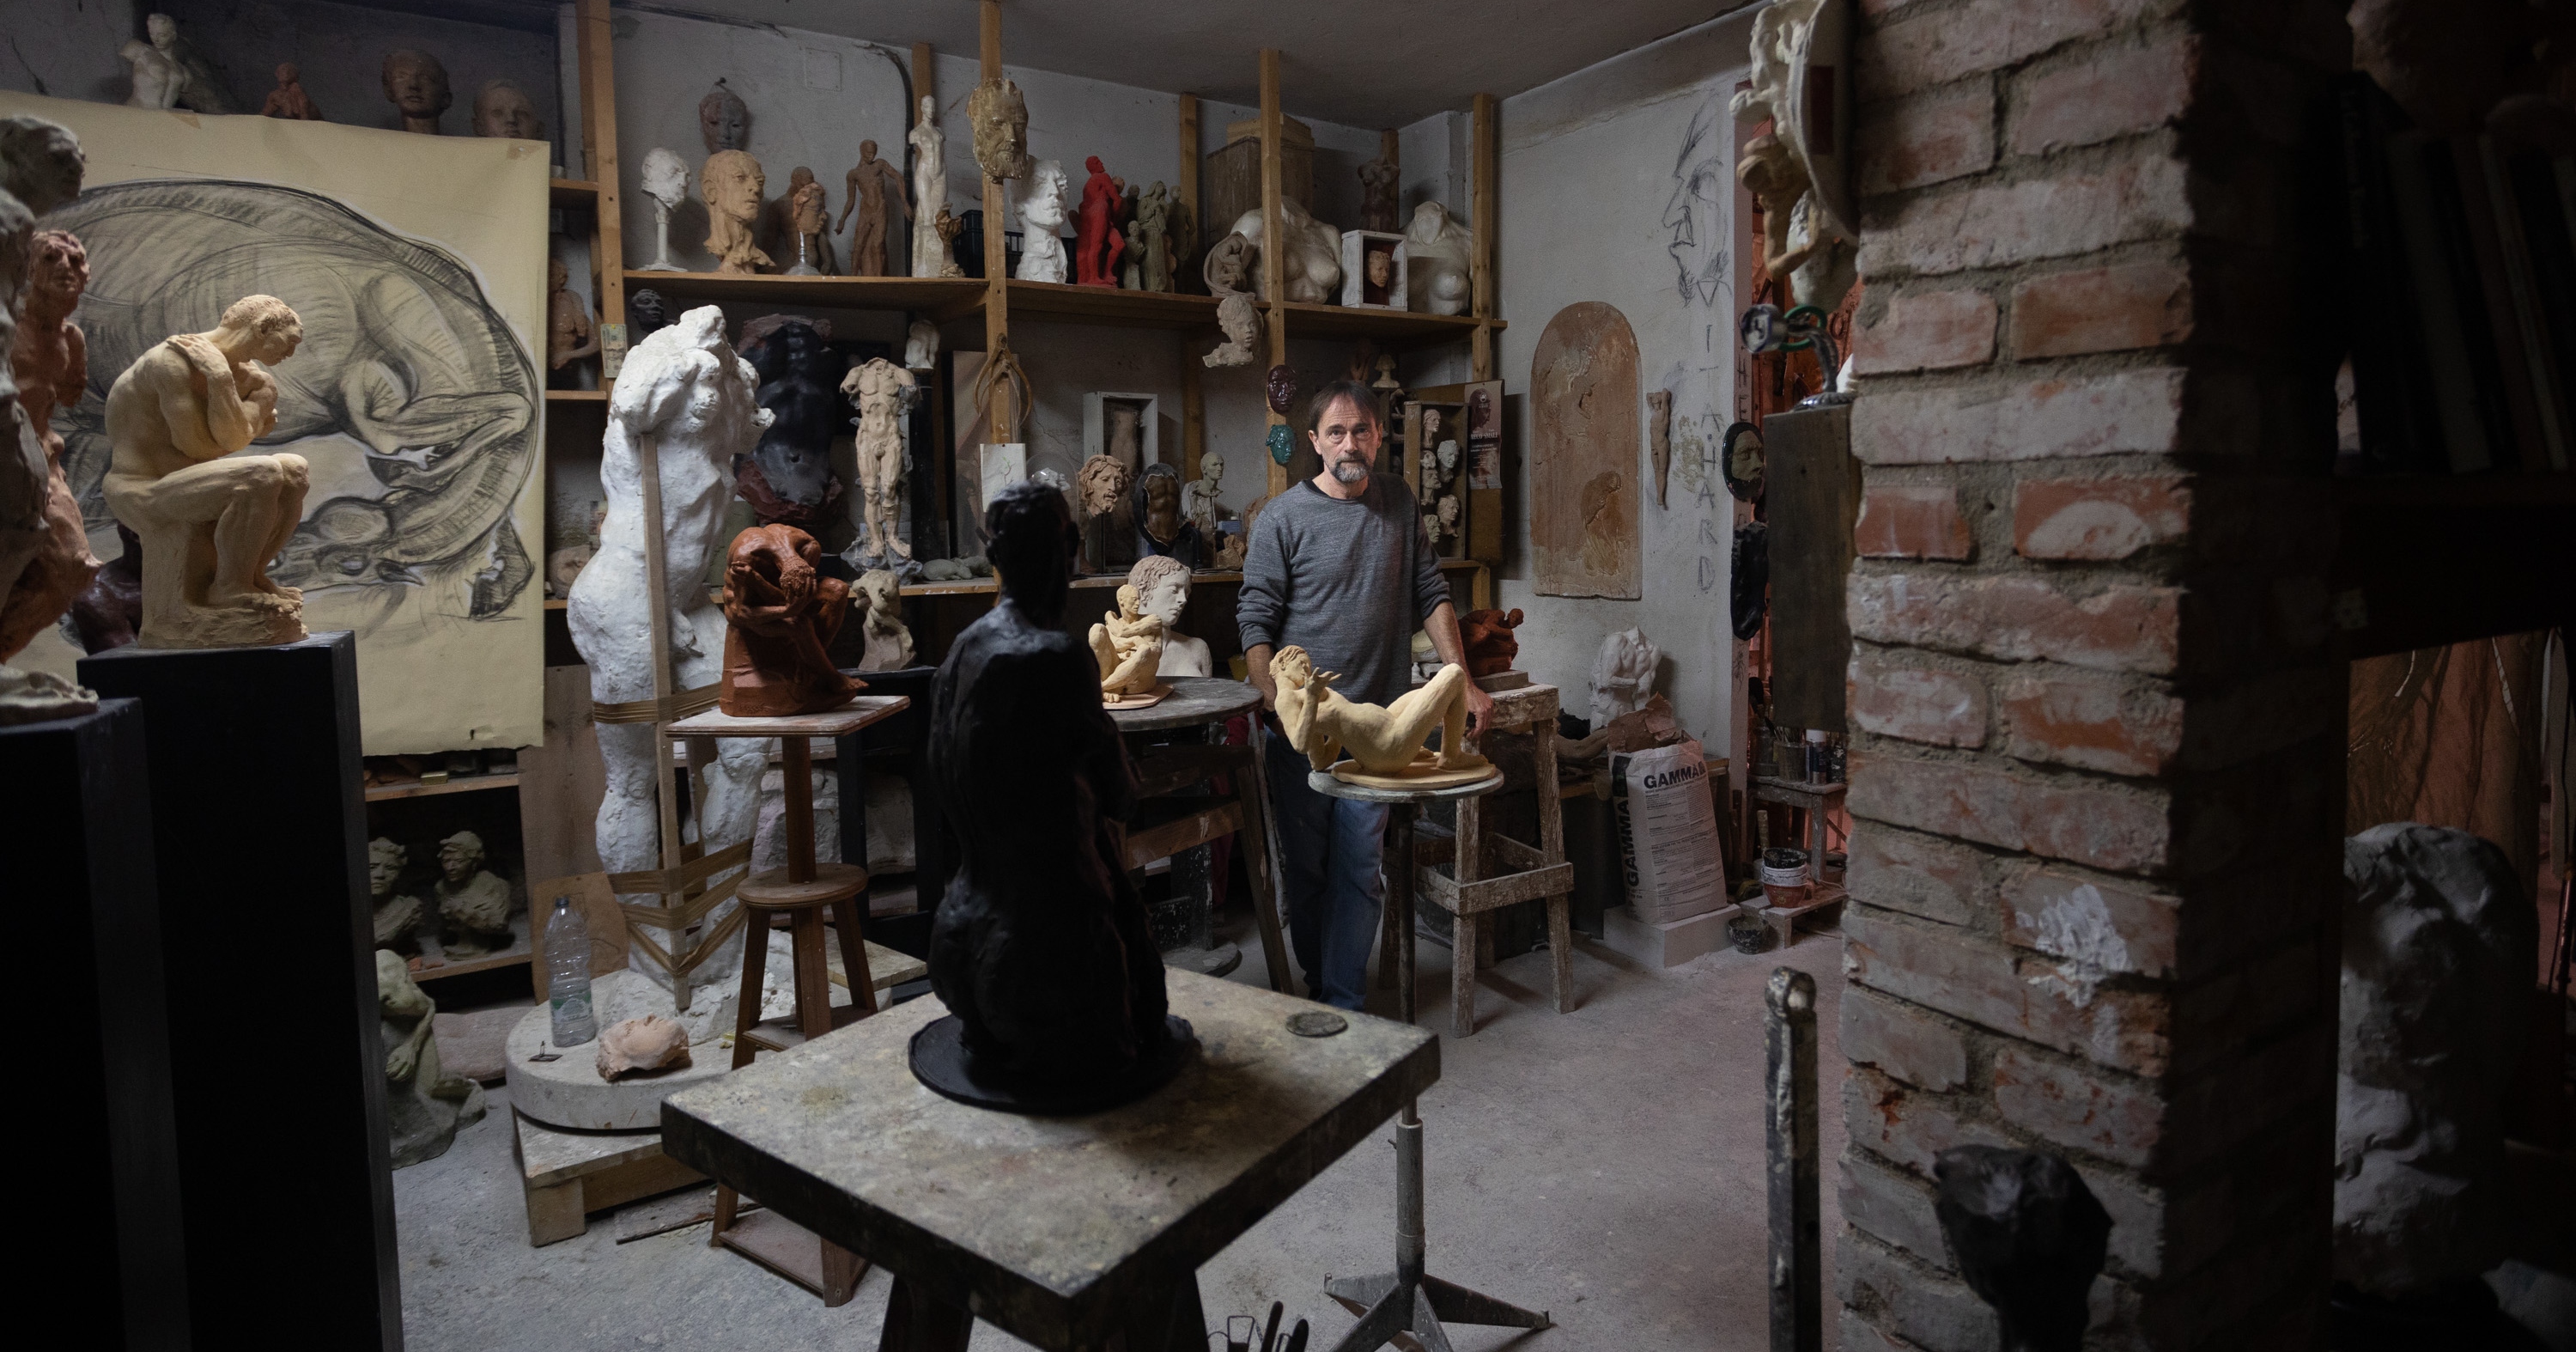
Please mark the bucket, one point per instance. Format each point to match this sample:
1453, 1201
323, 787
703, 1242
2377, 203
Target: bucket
1792, 895
1748, 934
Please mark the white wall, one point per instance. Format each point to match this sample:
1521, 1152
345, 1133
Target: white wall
1587, 185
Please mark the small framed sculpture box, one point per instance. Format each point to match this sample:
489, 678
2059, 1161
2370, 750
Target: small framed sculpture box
1373, 270
1123, 427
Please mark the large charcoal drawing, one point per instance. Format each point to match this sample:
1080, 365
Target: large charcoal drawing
403, 355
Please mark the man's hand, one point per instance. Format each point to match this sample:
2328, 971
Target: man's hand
1480, 707
1256, 661
1442, 625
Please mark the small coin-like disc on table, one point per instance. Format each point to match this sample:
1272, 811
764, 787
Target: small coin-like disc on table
1317, 1023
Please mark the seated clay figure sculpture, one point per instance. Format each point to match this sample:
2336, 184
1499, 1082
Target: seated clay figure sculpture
1386, 742
1041, 949
781, 614
424, 1105
1491, 649
209, 520
1162, 586
1128, 645
889, 643
396, 918
473, 902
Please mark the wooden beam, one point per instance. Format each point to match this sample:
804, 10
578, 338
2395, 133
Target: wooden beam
1274, 259
1481, 165
599, 154
1005, 420
1193, 402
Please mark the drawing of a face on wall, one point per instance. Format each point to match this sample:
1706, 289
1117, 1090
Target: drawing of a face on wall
1699, 210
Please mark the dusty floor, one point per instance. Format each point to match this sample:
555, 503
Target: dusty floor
1605, 1166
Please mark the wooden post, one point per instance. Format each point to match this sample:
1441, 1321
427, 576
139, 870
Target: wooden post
1481, 164
599, 154
1005, 423
1193, 404
1274, 259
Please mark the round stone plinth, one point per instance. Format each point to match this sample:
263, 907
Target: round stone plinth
567, 1092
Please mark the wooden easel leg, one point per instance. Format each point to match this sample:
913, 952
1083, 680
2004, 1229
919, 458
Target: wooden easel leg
854, 953
1252, 789
1560, 949
813, 977
755, 966
1462, 973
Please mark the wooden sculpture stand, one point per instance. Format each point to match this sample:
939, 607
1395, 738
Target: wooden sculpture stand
800, 892
1164, 772
1815, 802
1492, 870
1409, 1301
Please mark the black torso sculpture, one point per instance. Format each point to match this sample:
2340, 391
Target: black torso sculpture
2029, 1237
788, 478
1041, 949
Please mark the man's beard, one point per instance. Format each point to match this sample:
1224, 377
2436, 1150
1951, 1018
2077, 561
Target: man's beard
1350, 470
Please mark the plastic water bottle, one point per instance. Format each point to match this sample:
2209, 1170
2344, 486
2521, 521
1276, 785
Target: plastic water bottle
568, 975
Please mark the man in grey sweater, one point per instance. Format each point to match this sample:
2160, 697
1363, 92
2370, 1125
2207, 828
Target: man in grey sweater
1339, 565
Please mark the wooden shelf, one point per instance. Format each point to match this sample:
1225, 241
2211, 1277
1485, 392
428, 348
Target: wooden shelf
1063, 303
2427, 560
558, 603
519, 958
835, 293
576, 396
1402, 327
572, 192
382, 793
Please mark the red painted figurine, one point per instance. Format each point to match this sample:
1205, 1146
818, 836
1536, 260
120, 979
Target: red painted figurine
1097, 242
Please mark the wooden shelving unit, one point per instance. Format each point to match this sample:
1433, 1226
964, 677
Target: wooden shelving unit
386, 793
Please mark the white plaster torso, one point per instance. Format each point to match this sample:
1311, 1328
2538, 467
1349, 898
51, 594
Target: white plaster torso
1436, 261
1313, 264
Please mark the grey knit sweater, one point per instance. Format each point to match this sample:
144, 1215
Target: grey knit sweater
1347, 581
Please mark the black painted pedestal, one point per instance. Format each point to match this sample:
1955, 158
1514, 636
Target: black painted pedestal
103, 1187
278, 1074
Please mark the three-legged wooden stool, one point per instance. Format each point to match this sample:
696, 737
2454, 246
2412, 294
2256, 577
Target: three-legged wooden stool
800, 892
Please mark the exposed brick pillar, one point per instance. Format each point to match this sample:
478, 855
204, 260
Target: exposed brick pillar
2096, 712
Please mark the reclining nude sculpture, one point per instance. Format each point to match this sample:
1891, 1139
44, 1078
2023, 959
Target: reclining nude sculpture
209, 520
1041, 949
1385, 743
683, 390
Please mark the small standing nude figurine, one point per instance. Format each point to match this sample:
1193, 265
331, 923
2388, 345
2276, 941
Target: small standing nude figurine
416, 85
472, 900
1097, 241
570, 333
1199, 499
209, 520
1385, 741
929, 191
289, 100
875, 192
880, 389
1128, 645
809, 216
781, 615
50, 360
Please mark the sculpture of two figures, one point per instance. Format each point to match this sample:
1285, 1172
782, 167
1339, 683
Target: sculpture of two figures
732, 184
789, 475
874, 189
781, 615
1488, 639
1041, 949
1128, 646
209, 520
424, 1105
684, 390
1385, 742
882, 391
1041, 216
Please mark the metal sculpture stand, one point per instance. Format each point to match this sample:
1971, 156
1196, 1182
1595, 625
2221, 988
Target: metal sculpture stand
1410, 1300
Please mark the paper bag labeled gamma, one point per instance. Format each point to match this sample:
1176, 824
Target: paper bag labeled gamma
1668, 847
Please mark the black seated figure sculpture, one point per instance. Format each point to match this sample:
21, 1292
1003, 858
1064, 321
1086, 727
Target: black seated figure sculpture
1041, 949
2029, 1237
787, 478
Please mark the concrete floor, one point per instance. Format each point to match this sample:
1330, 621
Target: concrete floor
1605, 1166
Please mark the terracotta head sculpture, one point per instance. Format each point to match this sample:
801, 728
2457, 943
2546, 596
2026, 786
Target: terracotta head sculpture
1103, 481
57, 273
503, 109
733, 183
1001, 121
1381, 267
416, 85
724, 120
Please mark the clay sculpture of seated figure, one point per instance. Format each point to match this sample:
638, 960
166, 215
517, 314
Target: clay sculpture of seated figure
1041, 949
209, 520
1386, 742
1491, 649
781, 615
1128, 645
474, 902
424, 1105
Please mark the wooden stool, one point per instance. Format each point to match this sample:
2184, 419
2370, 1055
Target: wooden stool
799, 891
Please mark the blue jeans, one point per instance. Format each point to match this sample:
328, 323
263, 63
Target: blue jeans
1329, 852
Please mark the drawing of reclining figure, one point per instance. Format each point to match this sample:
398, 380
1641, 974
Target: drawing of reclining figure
407, 358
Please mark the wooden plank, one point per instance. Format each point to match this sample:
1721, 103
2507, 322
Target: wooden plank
562, 782
950, 296
1584, 481
1004, 423
1274, 260
1487, 894
1185, 252
1172, 837
861, 711
464, 784
595, 49
1812, 496
1482, 165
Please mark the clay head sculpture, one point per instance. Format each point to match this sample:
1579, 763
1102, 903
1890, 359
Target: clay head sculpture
416, 85
733, 183
40, 164
1001, 122
1041, 949
384, 866
1158, 504
395, 917
724, 120
1103, 482
781, 615
1281, 388
503, 109
474, 902
646, 311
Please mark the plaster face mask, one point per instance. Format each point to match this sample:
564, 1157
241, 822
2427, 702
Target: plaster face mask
501, 110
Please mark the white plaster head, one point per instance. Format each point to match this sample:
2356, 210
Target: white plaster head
929, 109
666, 177
1448, 453
460, 856
384, 865
163, 28
503, 109
1162, 587
1045, 203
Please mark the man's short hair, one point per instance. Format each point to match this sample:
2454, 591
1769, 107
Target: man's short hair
1361, 396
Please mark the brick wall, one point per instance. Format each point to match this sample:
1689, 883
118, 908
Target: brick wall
2096, 767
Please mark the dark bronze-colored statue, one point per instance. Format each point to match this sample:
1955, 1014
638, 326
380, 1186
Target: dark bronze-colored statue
2029, 1237
1041, 950
789, 474
781, 615
1160, 527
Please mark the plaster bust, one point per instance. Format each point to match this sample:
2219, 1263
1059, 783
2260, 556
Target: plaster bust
395, 917
503, 109
724, 120
416, 85
1042, 256
156, 77
474, 902
1000, 118
666, 178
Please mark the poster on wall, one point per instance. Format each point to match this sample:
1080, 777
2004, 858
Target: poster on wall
418, 266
